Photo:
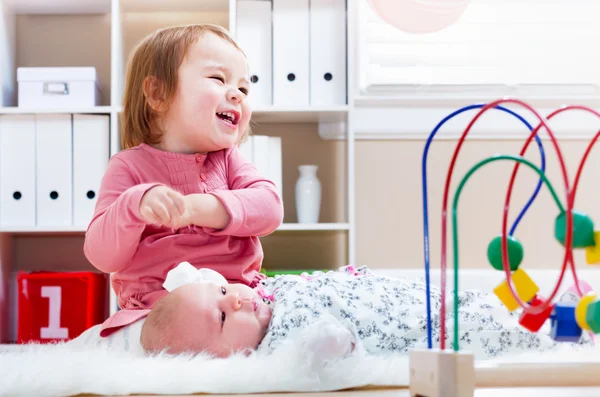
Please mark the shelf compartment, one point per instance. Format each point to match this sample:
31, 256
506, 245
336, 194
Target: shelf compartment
67, 33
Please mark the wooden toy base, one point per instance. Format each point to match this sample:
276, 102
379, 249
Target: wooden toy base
538, 374
441, 373
435, 373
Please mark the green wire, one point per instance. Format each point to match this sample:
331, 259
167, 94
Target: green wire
455, 222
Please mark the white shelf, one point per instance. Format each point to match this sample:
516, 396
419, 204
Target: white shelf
59, 6
313, 226
305, 114
77, 229
43, 229
175, 5
95, 110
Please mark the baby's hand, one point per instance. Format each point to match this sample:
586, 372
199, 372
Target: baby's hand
162, 206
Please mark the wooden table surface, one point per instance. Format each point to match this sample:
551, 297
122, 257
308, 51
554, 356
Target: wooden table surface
398, 392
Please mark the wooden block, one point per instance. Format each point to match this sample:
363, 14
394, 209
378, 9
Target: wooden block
437, 373
525, 288
592, 252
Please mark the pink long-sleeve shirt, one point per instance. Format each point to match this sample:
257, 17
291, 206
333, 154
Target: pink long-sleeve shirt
139, 256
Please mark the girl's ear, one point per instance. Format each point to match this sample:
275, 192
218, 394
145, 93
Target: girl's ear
154, 93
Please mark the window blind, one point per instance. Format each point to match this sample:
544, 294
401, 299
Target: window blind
545, 45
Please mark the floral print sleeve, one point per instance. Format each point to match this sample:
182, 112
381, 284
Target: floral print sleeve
387, 315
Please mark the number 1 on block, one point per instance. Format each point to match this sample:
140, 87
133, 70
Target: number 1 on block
53, 330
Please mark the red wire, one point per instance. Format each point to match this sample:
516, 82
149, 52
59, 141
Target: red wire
568, 238
569, 196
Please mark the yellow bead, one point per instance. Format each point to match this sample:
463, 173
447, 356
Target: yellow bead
525, 288
592, 253
581, 311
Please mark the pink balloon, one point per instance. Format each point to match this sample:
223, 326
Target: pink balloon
419, 16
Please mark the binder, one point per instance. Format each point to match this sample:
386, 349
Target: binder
17, 171
327, 52
246, 149
291, 53
54, 170
260, 154
253, 33
91, 138
275, 163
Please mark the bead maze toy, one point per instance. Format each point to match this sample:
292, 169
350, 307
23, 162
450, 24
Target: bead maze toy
437, 372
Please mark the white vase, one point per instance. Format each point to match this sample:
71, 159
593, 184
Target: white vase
308, 195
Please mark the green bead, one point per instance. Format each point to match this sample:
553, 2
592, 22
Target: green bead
515, 253
583, 229
592, 316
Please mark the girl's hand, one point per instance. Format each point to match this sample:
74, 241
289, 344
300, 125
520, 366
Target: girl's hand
162, 206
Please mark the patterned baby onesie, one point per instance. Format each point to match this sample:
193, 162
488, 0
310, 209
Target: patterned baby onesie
388, 315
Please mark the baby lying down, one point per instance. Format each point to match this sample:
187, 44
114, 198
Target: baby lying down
328, 314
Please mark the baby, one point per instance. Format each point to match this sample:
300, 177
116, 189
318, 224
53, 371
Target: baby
329, 314
205, 313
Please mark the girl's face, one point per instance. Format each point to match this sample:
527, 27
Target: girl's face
209, 111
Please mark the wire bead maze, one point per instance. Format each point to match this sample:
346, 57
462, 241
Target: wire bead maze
573, 229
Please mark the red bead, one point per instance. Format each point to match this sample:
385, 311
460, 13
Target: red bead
534, 321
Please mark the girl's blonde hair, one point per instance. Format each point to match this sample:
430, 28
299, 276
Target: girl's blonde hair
159, 55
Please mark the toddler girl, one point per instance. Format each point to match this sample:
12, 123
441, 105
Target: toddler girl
328, 316
180, 189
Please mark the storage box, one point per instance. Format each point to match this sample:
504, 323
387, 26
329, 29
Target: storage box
59, 306
57, 87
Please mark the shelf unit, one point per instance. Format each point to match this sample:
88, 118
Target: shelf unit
101, 33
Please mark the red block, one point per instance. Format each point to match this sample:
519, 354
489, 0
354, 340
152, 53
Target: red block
56, 307
533, 322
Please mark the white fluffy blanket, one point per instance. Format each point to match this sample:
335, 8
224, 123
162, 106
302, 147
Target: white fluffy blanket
63, 370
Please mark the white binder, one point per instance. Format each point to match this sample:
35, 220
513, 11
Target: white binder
246, 149
327, 52
90, 159
253, 33
17, 171
260, 154
275, 163
291, 53
54, 170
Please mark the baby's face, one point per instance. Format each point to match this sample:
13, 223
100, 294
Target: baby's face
227, 318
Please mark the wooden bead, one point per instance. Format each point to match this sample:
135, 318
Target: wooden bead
534, 321
525, 288
515, 253
564, 326
583, 229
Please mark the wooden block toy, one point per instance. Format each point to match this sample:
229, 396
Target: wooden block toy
581, 311
441, 373
564, 325
592, 252
534, 321
583, 229
592, 316
524, 287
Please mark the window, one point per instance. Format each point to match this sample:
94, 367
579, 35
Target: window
529, 48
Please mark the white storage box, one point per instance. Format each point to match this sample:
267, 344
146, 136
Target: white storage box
58, 87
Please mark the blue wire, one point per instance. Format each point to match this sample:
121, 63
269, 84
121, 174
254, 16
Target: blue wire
425, 201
